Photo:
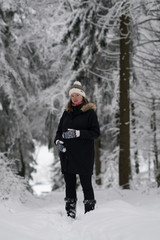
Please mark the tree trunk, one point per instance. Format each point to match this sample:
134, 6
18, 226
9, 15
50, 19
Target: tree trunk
155, 147
135, 155
22, 169
124, 154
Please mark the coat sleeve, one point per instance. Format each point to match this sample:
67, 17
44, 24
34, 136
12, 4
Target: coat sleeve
59, 130
93, 130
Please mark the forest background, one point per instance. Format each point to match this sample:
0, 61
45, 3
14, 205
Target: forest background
113, 49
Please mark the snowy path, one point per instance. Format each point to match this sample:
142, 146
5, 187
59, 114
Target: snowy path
119, 215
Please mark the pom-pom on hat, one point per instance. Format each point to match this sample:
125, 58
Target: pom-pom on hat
77, 88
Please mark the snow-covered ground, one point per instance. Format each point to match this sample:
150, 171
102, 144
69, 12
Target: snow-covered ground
119, 215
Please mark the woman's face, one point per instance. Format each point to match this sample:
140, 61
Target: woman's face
76, 98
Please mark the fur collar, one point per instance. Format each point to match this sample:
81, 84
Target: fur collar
86, 107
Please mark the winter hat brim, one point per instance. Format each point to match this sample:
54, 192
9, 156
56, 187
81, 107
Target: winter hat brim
77, 88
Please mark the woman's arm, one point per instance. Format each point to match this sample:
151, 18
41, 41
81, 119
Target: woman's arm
93, 130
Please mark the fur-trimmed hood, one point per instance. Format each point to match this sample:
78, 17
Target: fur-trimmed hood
86, 107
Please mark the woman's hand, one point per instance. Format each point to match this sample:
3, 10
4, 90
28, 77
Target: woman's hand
60, 146
71, 133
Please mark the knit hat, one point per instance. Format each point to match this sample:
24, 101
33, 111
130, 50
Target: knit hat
77, 88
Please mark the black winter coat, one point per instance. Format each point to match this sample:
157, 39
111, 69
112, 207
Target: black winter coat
79, 155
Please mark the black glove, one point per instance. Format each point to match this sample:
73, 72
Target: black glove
60, 146
71, 133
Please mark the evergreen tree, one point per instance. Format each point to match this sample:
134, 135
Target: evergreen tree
144, 86
16, 138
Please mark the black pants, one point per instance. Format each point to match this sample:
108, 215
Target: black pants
86, 182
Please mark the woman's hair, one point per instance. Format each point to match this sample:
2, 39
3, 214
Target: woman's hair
69, 105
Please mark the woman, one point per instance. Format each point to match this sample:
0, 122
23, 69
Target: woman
77, 129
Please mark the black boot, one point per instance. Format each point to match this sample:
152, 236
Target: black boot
89, 205
71, 207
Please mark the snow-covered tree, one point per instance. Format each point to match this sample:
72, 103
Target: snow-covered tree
16, 138
145, 87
